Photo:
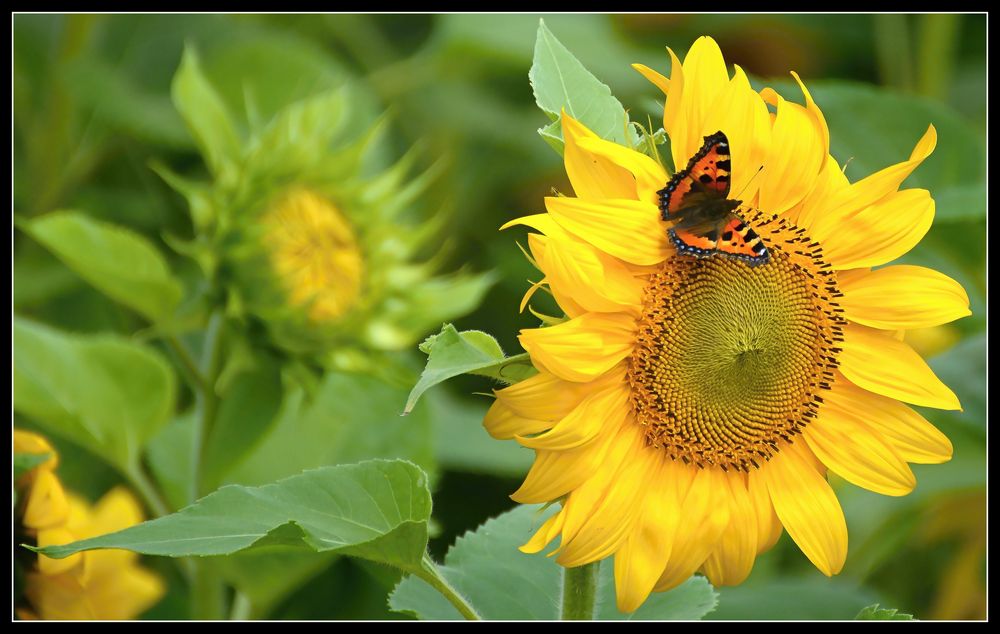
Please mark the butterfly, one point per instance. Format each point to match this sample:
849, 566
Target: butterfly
705, 220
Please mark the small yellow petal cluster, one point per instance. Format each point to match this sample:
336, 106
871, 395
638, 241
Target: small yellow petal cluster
315, 254
101, 584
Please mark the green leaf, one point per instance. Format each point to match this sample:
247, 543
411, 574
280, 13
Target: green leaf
114, 99
503, 583
426, 304
560, 81
169, 457
205, 114
375, 510
25, 462
268, 574
960, 203
963, 368
351, 417
451, 353
105, 393
808, 598
119, 263
875, 613
247, 409
890, 127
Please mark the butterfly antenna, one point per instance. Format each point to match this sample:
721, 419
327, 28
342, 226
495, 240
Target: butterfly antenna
759, 170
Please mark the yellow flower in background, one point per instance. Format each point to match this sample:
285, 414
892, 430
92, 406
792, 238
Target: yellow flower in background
689, 408
315, 253
101, 584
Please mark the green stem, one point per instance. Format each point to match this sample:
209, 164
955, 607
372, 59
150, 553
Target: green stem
188, 367
144, 486
207, 594
938, 35
208, 401
207, 587
147, 491
892, 48
429, 572
241, 607
579, 592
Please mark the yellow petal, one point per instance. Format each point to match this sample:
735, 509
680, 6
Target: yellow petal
703, 520
614, 497
503, 423
903, 297
57, 537
674, 122
32, 443
47, 505
874, 188
842, 441
627, 229
545, 534
598, 411
739, 112
907, 432
731, 561
877, 234
797, 155
816, 113
591, 175
126, 594
583, 348
543, 396
556, 473
641, 559
659, 80
807, 507
650, 177
768, 524
881, 364
594, 280
58, 597
705, 77
830, 182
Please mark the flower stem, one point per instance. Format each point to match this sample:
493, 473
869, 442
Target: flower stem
208, 401
579, 592
146, 490
242, 608
429, 572
207, 594
189, 369
207, 588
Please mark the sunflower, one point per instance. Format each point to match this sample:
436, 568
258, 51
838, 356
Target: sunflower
105, 584
307, 234
688, 409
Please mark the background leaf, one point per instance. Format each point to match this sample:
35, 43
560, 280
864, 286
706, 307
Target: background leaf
119, 263
375, 510
105, 393
503, 583
247, 409
331, 428
25, 462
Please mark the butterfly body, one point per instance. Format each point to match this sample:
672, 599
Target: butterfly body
705, 220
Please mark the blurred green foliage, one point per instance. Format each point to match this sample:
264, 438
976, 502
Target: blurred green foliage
93, 114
